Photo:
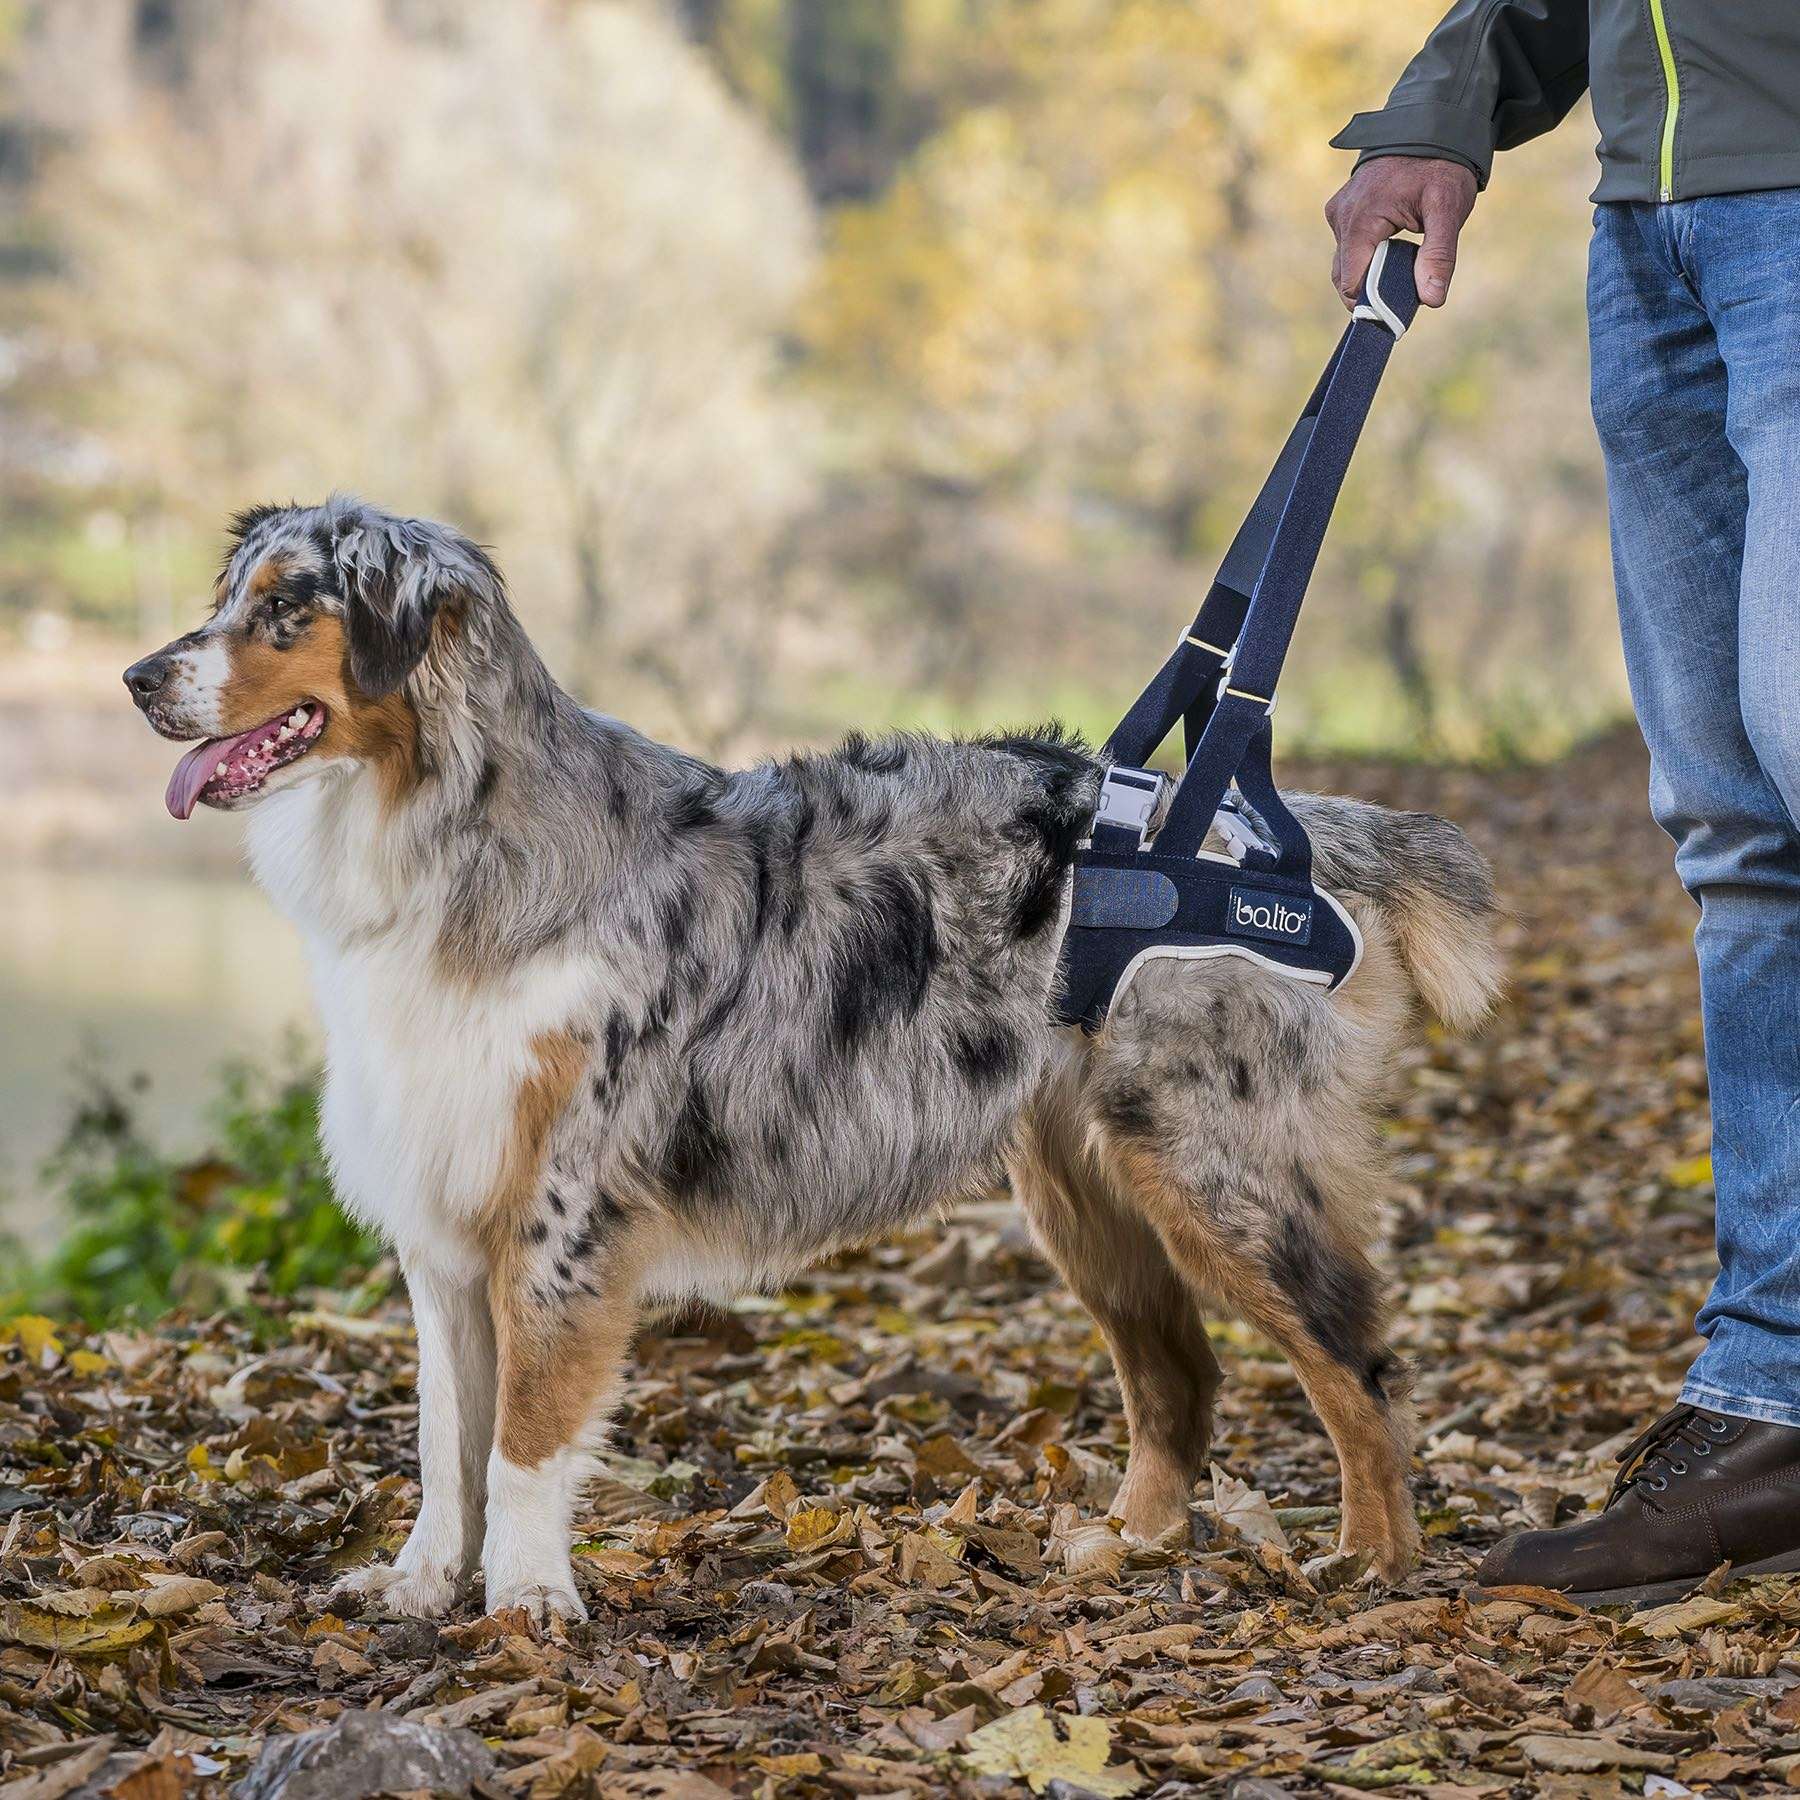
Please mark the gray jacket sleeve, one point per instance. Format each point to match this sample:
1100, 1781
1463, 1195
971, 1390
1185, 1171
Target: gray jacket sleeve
1493, 74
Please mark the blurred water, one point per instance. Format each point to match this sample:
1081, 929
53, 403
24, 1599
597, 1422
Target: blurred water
163, 975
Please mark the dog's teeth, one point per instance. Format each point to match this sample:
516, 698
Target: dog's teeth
298, 717
286, 732
220, 770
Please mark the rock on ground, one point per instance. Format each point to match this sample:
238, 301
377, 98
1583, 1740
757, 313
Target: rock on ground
367, 1753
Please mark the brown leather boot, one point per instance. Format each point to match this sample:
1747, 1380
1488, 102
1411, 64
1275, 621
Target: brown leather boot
1697, 1489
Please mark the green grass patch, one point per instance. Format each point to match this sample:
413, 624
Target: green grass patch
251, 1218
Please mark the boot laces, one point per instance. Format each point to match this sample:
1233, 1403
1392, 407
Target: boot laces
1664, 1449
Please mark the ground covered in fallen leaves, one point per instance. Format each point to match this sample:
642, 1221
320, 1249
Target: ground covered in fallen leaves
854, 1540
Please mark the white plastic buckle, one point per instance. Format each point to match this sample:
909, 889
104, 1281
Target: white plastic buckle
1375, 307
1235, 829
1129, 797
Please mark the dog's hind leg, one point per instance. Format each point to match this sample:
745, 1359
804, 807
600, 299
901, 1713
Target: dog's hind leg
1233, 1108
1319, 1303
1118, 1268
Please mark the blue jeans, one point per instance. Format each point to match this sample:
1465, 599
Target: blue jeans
1694, 310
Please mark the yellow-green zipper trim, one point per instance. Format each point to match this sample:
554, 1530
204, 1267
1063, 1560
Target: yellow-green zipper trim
1672, 111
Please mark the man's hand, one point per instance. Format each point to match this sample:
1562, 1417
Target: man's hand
1427, 194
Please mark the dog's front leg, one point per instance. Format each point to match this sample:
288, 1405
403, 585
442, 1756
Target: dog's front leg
560, 1358
456, 1422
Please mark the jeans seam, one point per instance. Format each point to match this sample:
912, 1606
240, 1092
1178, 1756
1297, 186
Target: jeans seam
1739, 1406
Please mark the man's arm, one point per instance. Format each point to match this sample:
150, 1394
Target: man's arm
1493, 74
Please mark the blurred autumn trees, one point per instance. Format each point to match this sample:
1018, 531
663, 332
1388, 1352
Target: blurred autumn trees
805, 360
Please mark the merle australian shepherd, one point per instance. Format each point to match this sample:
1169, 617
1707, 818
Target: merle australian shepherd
608, 1027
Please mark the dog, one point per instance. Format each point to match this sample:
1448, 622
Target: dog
609, 1027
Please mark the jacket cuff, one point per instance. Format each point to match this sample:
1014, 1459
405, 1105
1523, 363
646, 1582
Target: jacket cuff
1426, 129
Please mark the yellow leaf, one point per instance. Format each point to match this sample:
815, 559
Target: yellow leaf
1696, 1172
36, 1336
1039, 1748
802, 1762
811, 1527
98, 1632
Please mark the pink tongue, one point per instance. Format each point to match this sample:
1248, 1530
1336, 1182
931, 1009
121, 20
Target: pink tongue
195, 769
192, 773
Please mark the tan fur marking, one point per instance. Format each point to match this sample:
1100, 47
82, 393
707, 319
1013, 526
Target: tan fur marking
1373, 1442
551, 1368
543, 1097
265, 682
1120, 1270
267, 576
551, 1384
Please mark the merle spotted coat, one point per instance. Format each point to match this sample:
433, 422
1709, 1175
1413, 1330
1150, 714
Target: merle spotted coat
607, 1025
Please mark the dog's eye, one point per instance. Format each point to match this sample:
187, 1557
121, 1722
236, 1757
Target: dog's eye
280, 604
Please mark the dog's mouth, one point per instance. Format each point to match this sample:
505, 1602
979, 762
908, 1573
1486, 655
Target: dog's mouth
221, 771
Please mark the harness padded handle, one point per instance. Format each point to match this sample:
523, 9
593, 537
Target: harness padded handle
1390, 291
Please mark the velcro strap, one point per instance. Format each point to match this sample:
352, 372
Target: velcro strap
1129, 899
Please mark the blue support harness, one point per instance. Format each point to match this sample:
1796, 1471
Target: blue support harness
1172, 898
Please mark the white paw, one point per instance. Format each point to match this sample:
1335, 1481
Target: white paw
542, 1601
426, 1593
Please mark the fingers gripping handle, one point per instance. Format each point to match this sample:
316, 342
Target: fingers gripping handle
1390, 294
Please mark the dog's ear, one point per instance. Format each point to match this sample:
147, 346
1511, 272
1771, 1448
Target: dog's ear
398, 575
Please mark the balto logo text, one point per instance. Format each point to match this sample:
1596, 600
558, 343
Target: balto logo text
1269, 916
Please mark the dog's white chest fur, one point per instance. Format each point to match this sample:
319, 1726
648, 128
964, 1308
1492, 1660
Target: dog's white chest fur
422, 1076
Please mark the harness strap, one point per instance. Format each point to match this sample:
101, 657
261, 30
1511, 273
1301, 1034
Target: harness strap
1281, 538
1129, 903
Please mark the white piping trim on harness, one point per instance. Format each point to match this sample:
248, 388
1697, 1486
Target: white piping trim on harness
1198, 953
1375, 307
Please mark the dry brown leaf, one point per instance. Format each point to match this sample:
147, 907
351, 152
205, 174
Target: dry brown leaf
62, 1777
1683, 1616
1245, 1511
1604, 1691
1487, 1687
1576, 1754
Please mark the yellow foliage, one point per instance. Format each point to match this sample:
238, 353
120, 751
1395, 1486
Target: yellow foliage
1102, 285
36, 1337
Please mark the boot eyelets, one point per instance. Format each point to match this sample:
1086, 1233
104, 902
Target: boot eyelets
1703, 1449
1678, 1468
1717, 1427
1658, 1485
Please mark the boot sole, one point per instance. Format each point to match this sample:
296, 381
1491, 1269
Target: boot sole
1657, 1591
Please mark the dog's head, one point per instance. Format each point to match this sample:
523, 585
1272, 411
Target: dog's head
322, 617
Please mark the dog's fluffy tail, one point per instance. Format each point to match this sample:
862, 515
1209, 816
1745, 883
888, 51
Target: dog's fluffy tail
1431, 884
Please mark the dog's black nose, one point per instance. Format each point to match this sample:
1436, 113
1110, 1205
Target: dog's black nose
145, 678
